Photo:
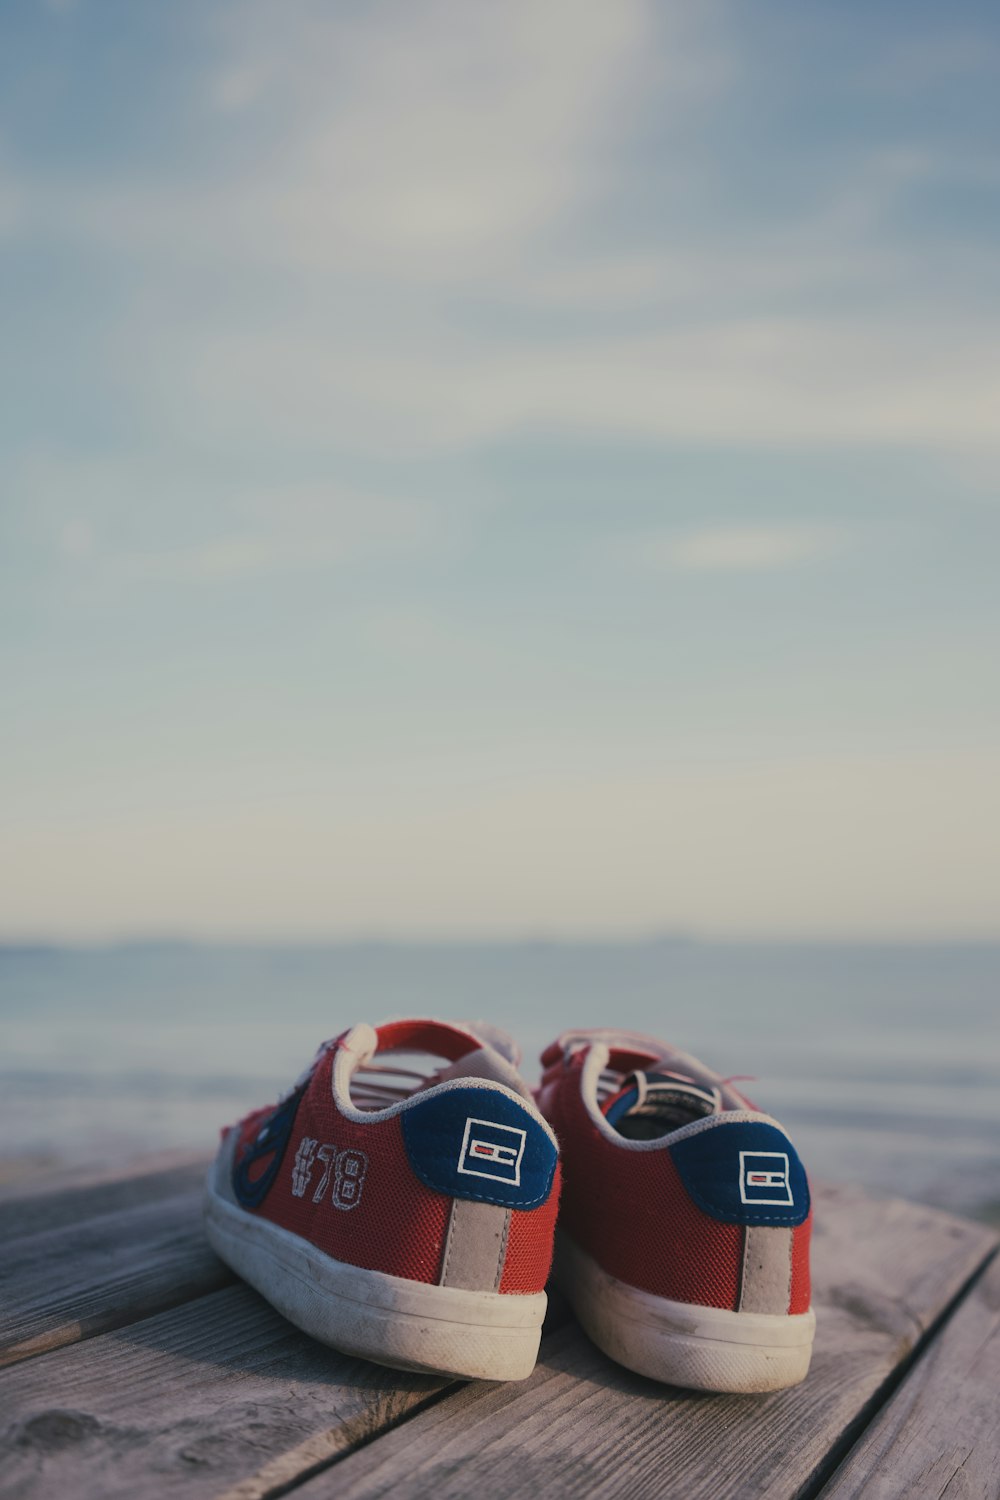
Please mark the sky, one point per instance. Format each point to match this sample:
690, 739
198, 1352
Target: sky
525, 469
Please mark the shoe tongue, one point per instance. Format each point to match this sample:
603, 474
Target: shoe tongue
649, 1105
485, 1062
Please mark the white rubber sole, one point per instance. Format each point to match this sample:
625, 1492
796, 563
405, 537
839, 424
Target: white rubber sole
679, 1343
407, 1325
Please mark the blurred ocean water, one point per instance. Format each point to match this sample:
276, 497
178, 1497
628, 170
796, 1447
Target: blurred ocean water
883, 1061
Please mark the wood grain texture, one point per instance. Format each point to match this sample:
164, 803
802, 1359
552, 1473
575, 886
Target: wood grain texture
22, 1178
69, 1283
939, 1435
583, 1426
73, 1200
219, 1397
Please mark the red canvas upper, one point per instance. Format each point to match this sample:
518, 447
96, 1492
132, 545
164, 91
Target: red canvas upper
387, 1219
630, 1210
391, 1197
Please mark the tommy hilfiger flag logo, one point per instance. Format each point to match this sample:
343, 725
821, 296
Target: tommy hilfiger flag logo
491, 1150
764, 1177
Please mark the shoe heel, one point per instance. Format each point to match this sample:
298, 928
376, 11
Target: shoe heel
407, 1325
680, 1343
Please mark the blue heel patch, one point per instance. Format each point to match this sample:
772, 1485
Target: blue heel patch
480, 1144
745, 1172
270, 1140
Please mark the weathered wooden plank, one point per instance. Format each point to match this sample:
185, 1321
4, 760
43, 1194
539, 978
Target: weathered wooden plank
66, 1284
72, 1199
220, 1396
939, 1434
583, 1426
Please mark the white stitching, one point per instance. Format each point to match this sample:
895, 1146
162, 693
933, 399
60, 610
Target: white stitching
503, 1250
448, 1245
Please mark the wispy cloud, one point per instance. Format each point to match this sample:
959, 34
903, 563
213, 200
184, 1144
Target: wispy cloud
737, 549
407, 263
407, 139
475, 312
85, 513
783, 383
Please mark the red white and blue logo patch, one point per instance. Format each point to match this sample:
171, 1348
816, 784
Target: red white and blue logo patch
492, 1150
764, 1177
509, 1159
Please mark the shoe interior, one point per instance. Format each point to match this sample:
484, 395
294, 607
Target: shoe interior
392, 1076
651, 1104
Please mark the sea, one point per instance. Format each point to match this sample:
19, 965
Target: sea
882, 1060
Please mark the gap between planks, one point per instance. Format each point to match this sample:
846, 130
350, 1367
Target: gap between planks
72, 1200
884, 1272
936, 1435
222, 1397
218, 1394
88, 1261
290, 1470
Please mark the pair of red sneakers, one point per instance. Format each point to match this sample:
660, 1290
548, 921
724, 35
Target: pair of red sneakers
411, 1217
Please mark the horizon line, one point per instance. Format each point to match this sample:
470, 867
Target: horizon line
388, 938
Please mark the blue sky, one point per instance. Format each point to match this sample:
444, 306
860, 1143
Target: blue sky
499, 469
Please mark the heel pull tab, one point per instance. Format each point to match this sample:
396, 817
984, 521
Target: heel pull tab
475, 1246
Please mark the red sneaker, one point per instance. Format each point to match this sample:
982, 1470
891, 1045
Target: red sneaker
405, 1218
683, 1239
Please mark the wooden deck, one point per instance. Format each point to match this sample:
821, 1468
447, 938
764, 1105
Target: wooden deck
135, 1365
